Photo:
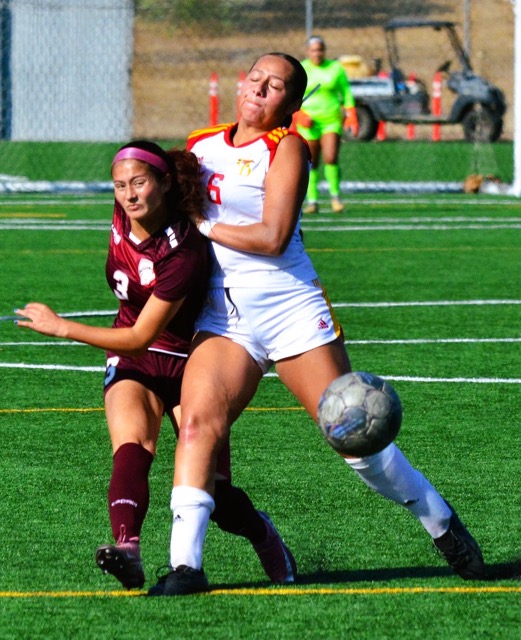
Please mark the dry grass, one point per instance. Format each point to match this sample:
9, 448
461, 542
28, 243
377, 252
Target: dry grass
172, 68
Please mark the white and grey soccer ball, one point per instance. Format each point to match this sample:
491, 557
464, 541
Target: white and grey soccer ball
359, 414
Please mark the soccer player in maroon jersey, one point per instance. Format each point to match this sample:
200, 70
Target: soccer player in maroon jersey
158, 268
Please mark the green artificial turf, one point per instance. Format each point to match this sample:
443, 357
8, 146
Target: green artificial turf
367, 568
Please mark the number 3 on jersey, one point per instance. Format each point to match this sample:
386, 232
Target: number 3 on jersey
121, 290
214, 189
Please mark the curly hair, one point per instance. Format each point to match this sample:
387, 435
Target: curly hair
186, 195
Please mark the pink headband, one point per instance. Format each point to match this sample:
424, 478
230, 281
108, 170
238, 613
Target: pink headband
134, 153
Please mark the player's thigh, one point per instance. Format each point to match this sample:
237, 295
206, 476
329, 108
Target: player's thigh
134, 414
330, 147
219, 381
308, 374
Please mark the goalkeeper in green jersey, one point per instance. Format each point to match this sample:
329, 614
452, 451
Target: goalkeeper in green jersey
324, 115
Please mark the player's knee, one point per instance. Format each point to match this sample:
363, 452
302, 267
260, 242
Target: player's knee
202, 426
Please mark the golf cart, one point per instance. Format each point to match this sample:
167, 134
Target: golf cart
478, 106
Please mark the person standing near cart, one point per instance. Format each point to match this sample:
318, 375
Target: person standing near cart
329, 109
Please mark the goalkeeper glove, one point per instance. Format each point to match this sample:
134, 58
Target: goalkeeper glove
302, 119
351, 121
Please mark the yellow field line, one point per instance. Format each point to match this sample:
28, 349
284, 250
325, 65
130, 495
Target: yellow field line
285, 591
274, 591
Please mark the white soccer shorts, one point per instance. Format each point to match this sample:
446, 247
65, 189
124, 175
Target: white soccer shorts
271, 324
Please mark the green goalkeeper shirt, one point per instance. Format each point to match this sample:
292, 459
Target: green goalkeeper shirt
334, 92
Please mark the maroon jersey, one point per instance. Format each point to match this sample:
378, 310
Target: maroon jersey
171, 264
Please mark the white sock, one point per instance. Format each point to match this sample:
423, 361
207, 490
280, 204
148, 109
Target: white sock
191, 510
390, 474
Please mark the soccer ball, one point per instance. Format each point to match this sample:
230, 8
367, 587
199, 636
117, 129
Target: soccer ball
359, 414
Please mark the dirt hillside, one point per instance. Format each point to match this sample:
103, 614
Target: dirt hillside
171, 69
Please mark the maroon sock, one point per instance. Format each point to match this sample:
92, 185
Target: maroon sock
128, 493
234, 512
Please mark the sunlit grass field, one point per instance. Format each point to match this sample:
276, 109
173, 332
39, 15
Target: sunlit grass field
428, 291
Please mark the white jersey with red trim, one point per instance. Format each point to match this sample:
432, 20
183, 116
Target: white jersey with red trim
234, 179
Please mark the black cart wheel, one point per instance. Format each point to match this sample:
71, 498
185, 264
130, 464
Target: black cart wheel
481, 125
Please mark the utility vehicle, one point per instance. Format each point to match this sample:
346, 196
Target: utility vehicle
398, 96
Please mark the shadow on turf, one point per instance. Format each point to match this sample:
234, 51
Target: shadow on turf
500, 571
504, 571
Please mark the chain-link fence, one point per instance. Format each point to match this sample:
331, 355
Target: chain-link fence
111, 69
64, 69
174, 60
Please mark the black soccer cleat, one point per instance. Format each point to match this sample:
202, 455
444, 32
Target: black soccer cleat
276, 559
461, 551
123, 561
181, 581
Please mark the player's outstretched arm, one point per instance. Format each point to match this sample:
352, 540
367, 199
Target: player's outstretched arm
131, 341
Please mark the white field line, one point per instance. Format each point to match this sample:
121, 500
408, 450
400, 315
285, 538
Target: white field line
426, 303
393, 378
420, 219
98, 369
412, 227
412, 341
436, 341
338, 305
72, 314
41, 343
55, 226
58, 202
49, 367
408, 223
364, 225
21, 221
390, 377
43, 221
412, 303
412, 200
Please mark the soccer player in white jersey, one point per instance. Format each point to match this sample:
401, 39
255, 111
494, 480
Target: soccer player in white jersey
266, 305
